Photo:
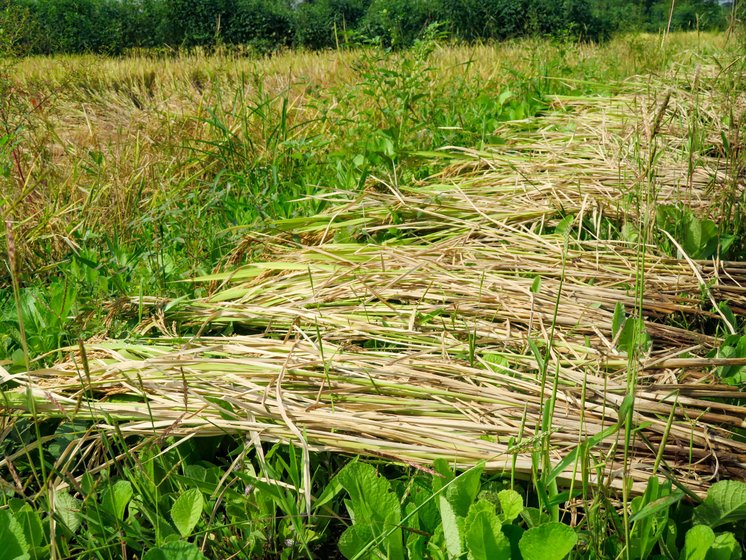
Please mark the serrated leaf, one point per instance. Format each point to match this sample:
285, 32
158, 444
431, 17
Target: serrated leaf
511, 505
483, 535
551, 541
33, 529
178, 550
115, 498
14, 545
373, 503
697, 542
725, 503
187, 510
451, 529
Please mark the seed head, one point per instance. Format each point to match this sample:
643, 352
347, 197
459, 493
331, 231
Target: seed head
11, 246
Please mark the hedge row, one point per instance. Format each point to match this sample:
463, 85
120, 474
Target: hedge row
113, 26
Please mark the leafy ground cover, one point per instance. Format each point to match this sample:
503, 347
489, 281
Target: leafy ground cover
449, 303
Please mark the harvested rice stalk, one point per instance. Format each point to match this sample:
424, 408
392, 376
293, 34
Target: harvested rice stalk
414, 407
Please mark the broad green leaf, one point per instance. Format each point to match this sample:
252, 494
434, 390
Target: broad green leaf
725, 503
462, 492
330, 491
734, 375
446, 474
536, 285
187, 510
356, 538
511, 505
164, 531
671, 532
13, 545
436, 547
630, 233
33, 529
415, 541
725, 547
534, 517
513, 533
697, 542
178, 550
633, 334
726, 240
482, 533
451, 529
115, 498
68, 510
428, 514
504, 96
496, 362
372, 502
371, 495
551, 541
700, 239
692, 238
565, 225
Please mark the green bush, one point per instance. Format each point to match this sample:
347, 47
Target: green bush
699, 14
397, 23
264, 25
327, 23
16, 26
484, 19
113, 26
146, 24
197, 22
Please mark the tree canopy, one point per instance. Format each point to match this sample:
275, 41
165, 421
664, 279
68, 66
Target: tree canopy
113, 26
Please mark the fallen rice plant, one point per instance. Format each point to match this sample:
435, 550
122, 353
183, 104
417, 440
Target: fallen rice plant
585, 157
454, 339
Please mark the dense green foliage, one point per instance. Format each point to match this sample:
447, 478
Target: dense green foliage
113, 26
165, 508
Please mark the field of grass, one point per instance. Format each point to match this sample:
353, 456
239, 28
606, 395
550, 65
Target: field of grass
455, 302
